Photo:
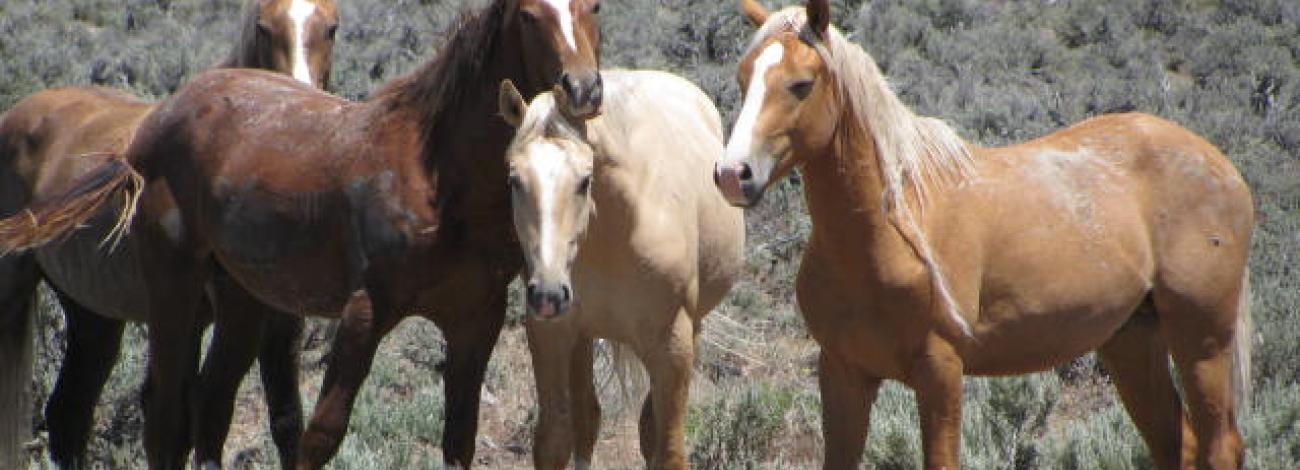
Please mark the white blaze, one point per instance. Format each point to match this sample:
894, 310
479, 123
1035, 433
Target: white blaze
547, 164
566, 19
299, 13
742, 135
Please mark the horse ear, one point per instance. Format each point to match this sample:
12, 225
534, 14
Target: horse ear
819, 16
754, 11
511, 104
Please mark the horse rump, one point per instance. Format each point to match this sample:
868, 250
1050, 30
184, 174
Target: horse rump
52, 218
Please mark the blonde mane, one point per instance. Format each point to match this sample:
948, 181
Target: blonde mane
915, 152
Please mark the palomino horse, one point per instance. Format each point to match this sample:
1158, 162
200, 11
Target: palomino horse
662, 252
41, 139
367, 211
931, 258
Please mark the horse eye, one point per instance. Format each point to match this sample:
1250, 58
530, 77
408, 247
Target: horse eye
584, 185
527, 17
263, 29
801, 89
595, 9
330, 33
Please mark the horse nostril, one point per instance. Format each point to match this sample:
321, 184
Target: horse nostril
570, 88
745, 173
566, 294
532, 294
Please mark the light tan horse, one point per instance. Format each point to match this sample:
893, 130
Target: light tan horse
625, 239
931, 258
42, 142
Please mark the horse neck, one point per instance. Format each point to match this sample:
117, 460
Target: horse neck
844, 188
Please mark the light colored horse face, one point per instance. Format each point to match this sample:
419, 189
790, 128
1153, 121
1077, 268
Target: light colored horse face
561, 38
789, 110
300, 35
550, 184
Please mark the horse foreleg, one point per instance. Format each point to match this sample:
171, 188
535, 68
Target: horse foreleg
281, 342
93, 343
669, 363
586, 406
237, 319
936, 377
360, 330
847, 395
469, 347
552, 346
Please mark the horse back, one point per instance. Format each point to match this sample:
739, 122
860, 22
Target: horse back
1091, 218
294, 191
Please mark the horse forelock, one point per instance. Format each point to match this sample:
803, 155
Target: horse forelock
544, 119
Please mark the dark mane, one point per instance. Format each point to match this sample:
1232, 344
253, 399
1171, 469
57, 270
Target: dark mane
244, 52
457, 71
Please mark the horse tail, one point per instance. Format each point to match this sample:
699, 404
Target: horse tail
48, 219
620, 364
1241, 348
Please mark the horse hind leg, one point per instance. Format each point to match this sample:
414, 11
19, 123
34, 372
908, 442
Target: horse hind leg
668, 360
281, 342
1200, 336
93, 344
237, 318
18, 279
1138, 361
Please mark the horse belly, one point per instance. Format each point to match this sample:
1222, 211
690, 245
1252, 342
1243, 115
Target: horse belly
1016, 336
106, 281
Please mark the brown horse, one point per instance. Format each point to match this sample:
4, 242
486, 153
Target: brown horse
931, 258
41, 139
366, 211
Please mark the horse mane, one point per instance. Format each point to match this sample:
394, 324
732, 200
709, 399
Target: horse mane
244, 52
457, 73
913, 152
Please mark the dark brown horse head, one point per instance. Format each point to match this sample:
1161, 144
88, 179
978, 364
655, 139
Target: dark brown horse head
560, 40
295, 37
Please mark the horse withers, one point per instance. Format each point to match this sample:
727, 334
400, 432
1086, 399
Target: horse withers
625, 239
931, 258
43, 140
366, 211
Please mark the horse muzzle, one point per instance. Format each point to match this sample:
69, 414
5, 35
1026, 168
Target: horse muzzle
583, 93
736, 183
549, 301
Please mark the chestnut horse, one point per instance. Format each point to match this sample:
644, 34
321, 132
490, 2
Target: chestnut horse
41, 139
931, 258
660, 254
368, 211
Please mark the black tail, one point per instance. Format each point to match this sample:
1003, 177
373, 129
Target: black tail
48, 219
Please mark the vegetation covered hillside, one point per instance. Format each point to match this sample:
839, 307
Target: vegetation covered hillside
1000, 71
